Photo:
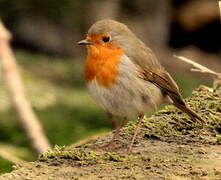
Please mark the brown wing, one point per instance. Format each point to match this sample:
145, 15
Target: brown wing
152, 70
163, 80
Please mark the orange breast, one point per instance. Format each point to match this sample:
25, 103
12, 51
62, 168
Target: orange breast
102, 64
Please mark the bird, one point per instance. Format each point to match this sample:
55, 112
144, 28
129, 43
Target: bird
124, 76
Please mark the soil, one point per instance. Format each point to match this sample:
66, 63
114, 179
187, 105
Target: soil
169, 146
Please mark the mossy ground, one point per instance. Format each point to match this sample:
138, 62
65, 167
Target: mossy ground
169, 146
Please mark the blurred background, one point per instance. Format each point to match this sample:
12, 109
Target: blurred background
45, 35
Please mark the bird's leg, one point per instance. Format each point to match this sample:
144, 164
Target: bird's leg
117, 131
140, 118
114, 121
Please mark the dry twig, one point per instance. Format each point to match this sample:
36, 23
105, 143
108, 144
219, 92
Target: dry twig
28, 119
199, 67
203, 69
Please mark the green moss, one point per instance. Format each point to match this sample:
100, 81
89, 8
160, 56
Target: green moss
58, 152
218, 139
84, 156
114, 157
61, 153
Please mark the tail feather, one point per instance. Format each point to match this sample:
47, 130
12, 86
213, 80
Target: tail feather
188, 111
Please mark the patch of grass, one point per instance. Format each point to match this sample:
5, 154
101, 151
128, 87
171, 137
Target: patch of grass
5, 166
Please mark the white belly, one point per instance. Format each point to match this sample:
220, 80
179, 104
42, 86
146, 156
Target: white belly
129, 96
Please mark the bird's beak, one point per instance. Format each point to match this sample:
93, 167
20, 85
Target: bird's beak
85, 42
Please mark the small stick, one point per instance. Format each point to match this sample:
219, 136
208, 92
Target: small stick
22, 106
199, 67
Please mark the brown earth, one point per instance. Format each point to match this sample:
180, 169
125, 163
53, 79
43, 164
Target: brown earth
169, 146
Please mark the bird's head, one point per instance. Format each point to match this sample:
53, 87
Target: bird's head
107, 35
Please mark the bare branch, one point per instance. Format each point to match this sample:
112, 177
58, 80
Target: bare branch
27, 118
199, 67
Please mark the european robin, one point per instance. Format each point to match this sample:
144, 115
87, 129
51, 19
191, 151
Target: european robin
124, 76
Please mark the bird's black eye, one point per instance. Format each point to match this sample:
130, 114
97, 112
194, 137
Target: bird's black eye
106, 39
